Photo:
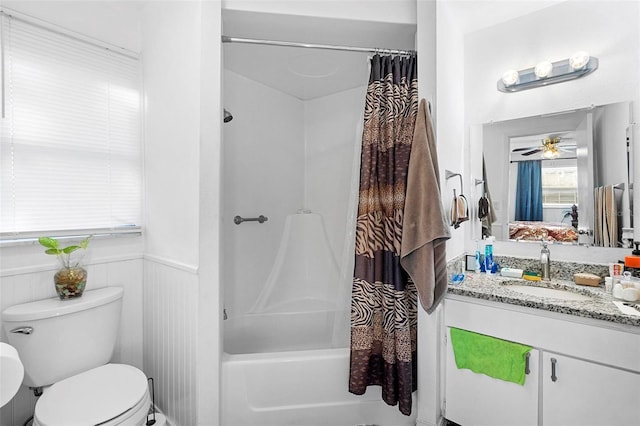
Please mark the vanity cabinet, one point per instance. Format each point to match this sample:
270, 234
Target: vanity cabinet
578, 392
582, 372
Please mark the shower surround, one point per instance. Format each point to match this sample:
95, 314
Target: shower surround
289, 362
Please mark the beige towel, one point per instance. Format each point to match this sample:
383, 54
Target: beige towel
424, 229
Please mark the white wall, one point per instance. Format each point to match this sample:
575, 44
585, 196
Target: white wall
521, 43
449, 112
182, 167
553, 33
434, 38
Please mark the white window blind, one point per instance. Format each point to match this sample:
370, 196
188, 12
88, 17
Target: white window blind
70, 148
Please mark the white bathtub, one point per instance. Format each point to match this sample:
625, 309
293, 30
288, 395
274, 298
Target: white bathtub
306, 386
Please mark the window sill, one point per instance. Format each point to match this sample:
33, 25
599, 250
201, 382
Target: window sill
25, 239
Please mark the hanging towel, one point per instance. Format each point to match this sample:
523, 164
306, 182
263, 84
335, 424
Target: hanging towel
607, 229
490, 216
487, 355
483, 207
459, 210
425, 229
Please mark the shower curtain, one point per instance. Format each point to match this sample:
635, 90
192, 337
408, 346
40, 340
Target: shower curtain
384, 300
529, 191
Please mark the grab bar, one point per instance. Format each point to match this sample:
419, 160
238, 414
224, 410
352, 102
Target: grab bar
260, 219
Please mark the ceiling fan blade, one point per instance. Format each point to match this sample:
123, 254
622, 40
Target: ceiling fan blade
533, 151
565, 149
523, 149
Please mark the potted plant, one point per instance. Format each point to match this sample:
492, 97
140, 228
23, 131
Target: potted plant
71, 279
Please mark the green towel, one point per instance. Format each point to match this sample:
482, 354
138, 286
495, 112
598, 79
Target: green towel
496, 358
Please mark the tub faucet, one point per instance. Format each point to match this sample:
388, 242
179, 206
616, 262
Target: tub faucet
545, 262
224, 314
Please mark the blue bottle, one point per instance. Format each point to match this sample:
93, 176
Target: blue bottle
488, 255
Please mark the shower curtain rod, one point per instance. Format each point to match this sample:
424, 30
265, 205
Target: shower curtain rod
226, 39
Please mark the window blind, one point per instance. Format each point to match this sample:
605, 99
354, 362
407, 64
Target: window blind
70, 149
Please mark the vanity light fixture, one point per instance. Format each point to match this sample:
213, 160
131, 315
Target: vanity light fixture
546, 73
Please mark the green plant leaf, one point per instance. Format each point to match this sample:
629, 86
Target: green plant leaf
55, 251
49, 243
70, 249
84, 243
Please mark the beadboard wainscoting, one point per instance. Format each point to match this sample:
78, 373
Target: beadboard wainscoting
170, 336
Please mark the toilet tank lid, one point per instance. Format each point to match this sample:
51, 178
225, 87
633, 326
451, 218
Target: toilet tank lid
55, 307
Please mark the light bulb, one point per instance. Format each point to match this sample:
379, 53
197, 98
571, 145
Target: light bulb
551, 152
579, 60
511, 77
543, 69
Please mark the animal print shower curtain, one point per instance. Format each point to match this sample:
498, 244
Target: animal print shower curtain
384, 300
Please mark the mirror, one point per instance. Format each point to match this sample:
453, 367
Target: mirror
565, 177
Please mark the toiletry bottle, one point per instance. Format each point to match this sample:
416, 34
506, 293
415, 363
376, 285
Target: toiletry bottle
488, 255
632, 263
545, 262
477, 268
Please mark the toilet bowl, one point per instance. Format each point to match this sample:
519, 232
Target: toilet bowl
112, 394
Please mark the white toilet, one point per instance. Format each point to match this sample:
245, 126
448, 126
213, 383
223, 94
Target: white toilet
65, 347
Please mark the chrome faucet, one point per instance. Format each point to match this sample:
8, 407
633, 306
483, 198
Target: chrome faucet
545, 262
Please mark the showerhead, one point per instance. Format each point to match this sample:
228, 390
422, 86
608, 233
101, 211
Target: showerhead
227, 116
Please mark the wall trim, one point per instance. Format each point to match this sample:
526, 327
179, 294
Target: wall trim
23, 270
192, 269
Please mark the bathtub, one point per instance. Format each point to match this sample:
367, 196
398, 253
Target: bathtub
293, 369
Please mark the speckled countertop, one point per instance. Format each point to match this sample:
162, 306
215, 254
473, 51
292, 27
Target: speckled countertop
496, 288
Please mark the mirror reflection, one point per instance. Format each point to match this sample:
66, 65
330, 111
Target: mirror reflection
569, 178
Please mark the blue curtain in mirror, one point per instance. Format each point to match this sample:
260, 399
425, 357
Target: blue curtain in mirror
529, 191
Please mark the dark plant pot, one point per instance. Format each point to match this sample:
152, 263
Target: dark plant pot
70, 282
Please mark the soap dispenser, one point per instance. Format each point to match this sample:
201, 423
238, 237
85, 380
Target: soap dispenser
545, 261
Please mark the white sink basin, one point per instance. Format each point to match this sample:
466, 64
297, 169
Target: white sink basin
549, 293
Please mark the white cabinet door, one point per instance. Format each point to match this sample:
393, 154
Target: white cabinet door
583, 393
475, 399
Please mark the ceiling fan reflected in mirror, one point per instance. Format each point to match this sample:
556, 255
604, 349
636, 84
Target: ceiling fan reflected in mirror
550, 148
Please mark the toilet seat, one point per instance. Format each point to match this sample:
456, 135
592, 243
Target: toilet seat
112, 394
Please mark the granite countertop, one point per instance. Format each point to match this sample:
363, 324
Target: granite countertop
496, 288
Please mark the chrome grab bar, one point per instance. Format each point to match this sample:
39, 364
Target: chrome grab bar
260, 219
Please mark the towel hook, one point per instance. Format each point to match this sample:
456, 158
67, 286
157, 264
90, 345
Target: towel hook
448, 174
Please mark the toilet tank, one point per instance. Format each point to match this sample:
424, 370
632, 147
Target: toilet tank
67, 337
